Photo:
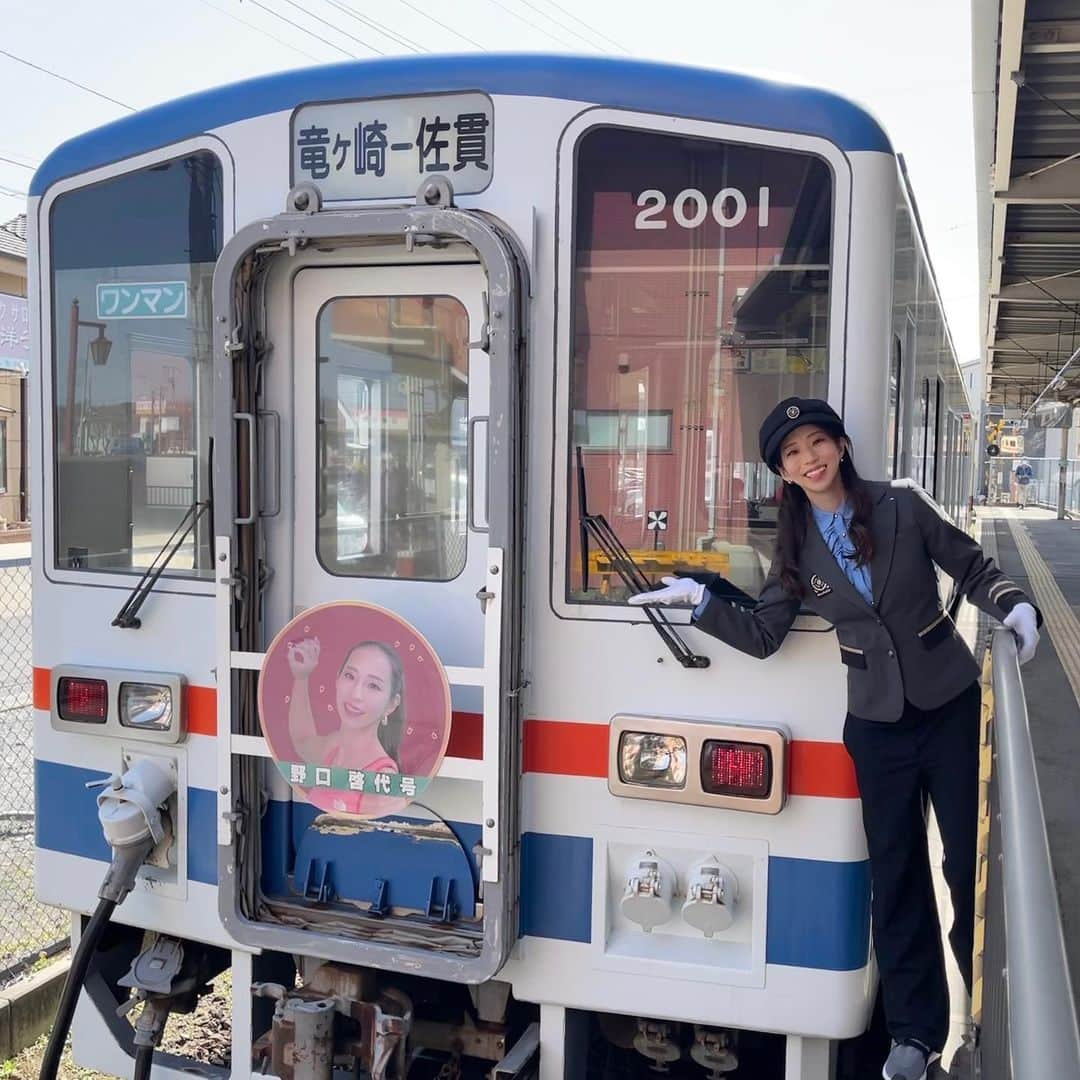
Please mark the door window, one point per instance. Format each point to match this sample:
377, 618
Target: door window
392, 469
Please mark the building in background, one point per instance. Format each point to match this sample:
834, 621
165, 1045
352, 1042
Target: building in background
14, 369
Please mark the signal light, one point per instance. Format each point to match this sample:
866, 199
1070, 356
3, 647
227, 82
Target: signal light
736, 768
83, 700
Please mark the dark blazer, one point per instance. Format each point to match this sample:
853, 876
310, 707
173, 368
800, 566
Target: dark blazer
902, 646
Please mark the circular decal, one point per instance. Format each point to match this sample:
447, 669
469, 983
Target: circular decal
355, 708
793, 412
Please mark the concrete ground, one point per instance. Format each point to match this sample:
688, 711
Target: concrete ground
1042, 555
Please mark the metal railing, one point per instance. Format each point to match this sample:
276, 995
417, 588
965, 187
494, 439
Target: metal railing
1024, 1002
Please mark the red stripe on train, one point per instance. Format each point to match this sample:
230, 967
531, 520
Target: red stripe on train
556, 747
567, 749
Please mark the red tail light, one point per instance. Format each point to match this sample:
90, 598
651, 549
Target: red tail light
85, 700
736, 768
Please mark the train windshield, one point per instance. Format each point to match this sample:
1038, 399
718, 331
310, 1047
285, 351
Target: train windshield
701, 298
132, 261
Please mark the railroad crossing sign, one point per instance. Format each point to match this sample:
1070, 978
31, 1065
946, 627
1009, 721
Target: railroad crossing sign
656, 523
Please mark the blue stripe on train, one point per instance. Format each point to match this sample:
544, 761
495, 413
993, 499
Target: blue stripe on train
818, 911
66, 818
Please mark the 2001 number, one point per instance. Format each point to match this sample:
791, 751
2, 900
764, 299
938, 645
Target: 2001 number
691, 207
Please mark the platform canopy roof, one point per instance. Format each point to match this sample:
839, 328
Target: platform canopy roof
1032, 264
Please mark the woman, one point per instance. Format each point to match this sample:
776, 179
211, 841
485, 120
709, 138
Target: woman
861, 554
370, 701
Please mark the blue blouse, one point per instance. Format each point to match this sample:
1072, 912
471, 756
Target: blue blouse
833, 526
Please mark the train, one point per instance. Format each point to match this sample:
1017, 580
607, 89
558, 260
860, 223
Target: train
366, 395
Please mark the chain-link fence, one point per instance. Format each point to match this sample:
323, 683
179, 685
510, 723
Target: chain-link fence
27, 929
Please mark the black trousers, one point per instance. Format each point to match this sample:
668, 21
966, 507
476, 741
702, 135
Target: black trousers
935, 754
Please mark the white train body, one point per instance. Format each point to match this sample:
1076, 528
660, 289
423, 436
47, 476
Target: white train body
568, 318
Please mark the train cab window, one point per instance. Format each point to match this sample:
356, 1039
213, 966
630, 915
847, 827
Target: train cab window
392, 436
700, 298
132, 261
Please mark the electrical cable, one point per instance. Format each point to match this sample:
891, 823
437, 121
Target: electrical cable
144, 1062
12, 161
470, 858
431, 18
73, 984
588, 26
529, 22
561, 25
333, 26
378, 27
64, 78
303, 29
260, 30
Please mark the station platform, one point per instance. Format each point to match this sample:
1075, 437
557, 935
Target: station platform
1042, 555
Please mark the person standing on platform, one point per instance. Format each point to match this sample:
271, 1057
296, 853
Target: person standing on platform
861, 554
1024, 476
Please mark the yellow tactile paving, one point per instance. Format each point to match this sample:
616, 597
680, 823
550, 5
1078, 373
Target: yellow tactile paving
1058, 618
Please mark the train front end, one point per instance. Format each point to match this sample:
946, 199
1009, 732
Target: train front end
366, 397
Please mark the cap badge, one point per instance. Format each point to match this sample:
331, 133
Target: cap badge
793, 412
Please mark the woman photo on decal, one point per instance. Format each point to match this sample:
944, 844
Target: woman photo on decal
862, 554
369, 698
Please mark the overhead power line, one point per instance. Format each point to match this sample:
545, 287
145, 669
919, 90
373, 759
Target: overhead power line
303, 29
431, 18
588, 26
378, 27
333, 26
64, 78
261, 30
4, 190
529, 22
21, 165
561, 25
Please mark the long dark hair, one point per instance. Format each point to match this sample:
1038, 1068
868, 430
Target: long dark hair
794, 518
390, 732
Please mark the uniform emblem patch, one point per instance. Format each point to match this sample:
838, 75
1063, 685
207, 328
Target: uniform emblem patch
820, 586
793, 412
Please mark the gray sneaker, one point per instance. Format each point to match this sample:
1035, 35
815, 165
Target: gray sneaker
909, 1060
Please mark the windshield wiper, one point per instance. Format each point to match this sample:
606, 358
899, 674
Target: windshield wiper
127, 616
622, 562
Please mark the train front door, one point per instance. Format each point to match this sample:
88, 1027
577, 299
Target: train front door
398, 487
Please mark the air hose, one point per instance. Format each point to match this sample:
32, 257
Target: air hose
88, 943
129, 810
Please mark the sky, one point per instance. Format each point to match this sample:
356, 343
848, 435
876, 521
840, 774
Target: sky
908, 63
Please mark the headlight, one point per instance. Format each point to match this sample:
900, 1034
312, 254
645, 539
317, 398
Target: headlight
652, 760
146, 706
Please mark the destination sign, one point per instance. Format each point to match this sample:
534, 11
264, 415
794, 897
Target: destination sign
384, 148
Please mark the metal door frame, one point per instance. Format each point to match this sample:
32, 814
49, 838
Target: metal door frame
237, 446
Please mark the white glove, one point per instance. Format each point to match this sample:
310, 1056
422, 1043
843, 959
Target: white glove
680, 590
1022, 622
